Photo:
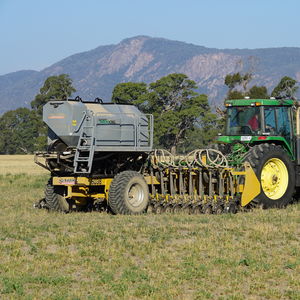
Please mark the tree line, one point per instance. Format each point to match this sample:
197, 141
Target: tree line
183, 118
238, 88
23, 130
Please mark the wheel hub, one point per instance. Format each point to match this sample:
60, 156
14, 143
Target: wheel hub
274, 178
135, 195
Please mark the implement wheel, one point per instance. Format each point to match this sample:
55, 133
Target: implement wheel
128, 193
54, 198
276, 174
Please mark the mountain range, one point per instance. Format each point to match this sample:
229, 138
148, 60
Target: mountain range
142, 58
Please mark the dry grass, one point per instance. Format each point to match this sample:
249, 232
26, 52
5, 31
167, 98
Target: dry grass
17, 164
99, 256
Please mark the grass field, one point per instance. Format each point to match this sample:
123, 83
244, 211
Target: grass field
254, 255
19, 164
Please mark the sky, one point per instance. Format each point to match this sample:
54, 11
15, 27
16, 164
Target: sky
37, 33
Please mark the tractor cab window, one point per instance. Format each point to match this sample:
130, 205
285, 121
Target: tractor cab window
270, 121
283, 121
277, 121
243, 120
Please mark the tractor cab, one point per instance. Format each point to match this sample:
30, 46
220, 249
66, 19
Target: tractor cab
260, 120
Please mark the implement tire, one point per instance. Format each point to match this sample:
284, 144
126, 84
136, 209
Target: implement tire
276, 174
128, 194
54, 198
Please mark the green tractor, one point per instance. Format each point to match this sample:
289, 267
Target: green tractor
262, 132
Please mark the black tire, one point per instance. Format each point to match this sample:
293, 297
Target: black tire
150, 209
57, 146
196, 210
177, 209
260, 157
128, 193
159, 209
54, 198
168, 209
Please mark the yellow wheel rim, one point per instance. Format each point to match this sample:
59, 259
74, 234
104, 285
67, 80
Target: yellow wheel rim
274, 178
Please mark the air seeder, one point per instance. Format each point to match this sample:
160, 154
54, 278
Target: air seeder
100, 157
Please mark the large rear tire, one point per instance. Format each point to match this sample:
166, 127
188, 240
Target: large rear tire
128, 193
276, 174
54, 198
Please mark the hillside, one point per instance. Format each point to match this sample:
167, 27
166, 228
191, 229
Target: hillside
143, 58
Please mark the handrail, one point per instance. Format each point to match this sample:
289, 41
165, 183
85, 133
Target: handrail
81, 122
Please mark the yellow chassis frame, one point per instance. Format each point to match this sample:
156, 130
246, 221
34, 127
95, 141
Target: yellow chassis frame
80, 187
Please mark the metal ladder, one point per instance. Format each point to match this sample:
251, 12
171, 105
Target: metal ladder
85, 150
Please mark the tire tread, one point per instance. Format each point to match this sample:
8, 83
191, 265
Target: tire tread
256, 157
52, 198
116, 192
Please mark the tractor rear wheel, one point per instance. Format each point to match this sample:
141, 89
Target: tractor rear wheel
54, 198
128, 193
276, 174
